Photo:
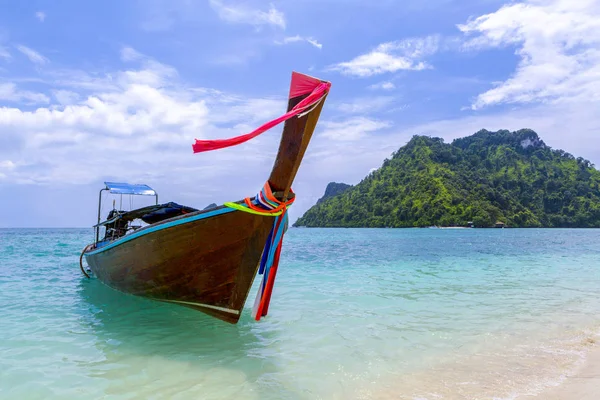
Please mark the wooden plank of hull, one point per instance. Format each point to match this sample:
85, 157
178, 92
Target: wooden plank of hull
208, 264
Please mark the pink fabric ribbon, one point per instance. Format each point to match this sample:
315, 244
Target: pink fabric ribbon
299, 87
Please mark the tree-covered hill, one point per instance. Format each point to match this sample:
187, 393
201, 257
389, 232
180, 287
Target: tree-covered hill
512, 177
333, 189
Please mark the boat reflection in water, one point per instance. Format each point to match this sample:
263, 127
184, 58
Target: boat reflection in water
156, 349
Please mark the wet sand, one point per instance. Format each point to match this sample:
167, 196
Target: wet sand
583, 384
566, 367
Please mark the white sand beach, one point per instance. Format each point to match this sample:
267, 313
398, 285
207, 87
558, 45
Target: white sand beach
583, 384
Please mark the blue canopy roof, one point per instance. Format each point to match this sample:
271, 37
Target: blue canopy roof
128, 188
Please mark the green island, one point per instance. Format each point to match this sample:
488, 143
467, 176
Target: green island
489, 179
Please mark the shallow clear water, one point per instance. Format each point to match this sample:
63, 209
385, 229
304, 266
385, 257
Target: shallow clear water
356, 313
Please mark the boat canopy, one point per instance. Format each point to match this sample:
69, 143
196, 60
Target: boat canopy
150, 214
128, 188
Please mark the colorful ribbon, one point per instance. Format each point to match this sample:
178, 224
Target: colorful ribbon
265, 203
317, 94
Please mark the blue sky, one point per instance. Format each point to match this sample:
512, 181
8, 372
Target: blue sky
93, 91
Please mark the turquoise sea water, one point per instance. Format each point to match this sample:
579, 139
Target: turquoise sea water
355, 314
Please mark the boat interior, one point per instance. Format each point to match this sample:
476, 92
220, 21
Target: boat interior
119, 222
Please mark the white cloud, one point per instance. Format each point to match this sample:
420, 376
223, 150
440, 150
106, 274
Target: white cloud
7, 164
241, 14
133, 125
66, 97
406, 54
238, 110
298, 38
33, 55
4, 53
129, 54
315, 43
363, 105
383, 86
352, 129
40, 15
152, 73
10, 92
558, 44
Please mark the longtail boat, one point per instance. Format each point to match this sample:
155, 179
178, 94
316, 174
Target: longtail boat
208, 259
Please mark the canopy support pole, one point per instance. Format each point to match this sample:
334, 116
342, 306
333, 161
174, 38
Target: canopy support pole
99, 211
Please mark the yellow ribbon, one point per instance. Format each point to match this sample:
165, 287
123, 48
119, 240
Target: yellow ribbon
240, 207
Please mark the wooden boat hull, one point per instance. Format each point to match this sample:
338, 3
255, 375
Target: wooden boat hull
204, 262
